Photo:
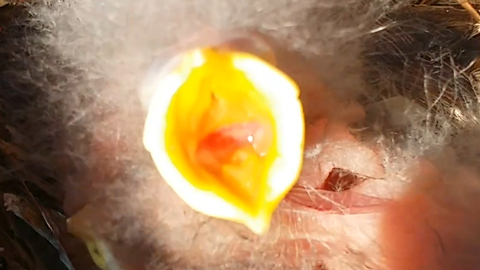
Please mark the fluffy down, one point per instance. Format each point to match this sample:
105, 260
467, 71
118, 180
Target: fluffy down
390, 177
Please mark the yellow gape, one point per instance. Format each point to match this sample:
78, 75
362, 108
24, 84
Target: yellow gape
80, 225
226, 132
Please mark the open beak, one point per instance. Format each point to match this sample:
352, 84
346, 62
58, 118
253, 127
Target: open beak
100, 251
226, 132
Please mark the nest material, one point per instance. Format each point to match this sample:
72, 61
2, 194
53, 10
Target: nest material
32, 226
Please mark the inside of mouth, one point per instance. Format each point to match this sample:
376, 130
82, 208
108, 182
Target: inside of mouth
220, 132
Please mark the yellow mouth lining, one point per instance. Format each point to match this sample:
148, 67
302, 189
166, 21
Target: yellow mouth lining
219, 133
225, 130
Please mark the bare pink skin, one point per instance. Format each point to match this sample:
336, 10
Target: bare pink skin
363, 226
403, 211
379, 222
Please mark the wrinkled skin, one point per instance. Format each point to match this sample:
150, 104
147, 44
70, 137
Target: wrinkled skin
411, 203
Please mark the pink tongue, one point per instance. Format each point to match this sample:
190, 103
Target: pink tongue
220, 145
